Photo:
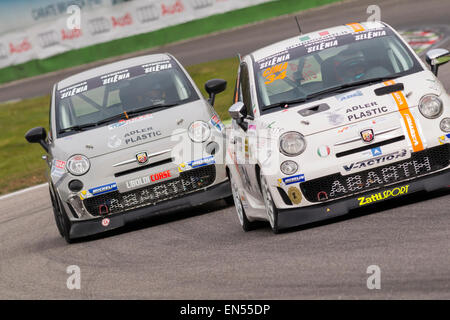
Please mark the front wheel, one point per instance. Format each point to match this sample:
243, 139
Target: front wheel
62, 220
246, 224
271, 209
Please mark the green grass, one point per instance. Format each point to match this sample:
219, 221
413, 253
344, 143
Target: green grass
157, 38
21, 164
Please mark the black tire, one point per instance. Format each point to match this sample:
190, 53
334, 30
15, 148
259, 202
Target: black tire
64, 222
56, 213
271, 209
229, 200
246, 224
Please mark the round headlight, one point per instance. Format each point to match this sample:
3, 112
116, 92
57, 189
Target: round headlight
445, 125
430, 106
289, 167
199, 131
78, 165
292, 144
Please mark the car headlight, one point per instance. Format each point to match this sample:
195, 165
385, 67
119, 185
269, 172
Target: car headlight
445, 125
199, 131
289, 167
430, 106
292, 144
78, 165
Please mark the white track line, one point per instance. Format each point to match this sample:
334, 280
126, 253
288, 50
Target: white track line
10, 195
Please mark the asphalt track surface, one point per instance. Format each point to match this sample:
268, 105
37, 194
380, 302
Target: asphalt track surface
203, 253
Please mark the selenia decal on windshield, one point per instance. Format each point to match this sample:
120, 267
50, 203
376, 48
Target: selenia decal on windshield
115, 77
73, 90
273, 60
157, 66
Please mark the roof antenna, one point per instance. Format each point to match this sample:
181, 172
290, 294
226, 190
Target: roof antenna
298, 25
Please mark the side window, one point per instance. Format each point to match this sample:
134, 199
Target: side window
245, 89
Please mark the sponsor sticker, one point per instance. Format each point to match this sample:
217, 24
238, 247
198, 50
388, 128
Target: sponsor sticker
115, 77
356, 27
276, 72
346, 96
293, 179
59, 164
391, 193
294, 195
366, 110
216, 123
157, 66
408, 119
105, 222
376, 151
201, 162
122, 123
365, 164
149, 179
444, 139
73, 90
103, 189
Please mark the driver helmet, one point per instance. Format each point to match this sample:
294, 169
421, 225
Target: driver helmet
152, 95
351, 66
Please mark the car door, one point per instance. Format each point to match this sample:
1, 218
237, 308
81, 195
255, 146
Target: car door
245, 140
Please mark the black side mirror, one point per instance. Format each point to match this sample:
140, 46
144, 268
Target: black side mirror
37, 135
213, 87
437, 57
238, 112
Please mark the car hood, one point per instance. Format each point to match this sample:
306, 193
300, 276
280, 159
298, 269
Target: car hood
124, 134
350, 107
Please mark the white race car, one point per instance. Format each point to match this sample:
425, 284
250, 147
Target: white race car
334, 120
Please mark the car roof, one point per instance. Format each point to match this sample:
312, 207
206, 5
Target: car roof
111, 67
298, 40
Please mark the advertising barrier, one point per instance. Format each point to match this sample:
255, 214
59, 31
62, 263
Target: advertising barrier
40, 29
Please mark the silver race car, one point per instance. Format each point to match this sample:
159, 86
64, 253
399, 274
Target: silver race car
335, 120
128, 140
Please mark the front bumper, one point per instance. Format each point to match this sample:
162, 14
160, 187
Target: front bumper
288, 218
94, 226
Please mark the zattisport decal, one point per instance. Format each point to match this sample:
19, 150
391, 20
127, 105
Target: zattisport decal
383, 195
375, 161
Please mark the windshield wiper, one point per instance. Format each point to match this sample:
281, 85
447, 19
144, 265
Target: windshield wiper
78, 127
283, 104
153, 107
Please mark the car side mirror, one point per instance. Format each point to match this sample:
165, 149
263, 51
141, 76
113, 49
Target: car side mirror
213, 87
436, 58
238, 112
37, 135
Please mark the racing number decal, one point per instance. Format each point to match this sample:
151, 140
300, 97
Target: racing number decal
356, 27
410, 123
275, 72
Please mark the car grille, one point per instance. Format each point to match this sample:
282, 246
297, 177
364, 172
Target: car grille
336, 185
114, 202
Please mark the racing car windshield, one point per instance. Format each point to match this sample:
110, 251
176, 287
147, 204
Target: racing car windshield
145, 88
331, 63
